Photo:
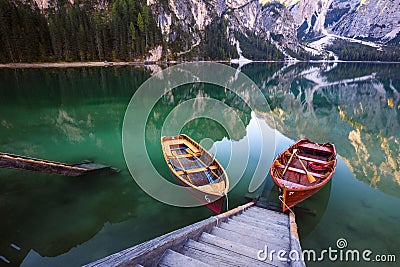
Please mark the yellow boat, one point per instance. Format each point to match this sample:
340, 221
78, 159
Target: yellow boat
194, 167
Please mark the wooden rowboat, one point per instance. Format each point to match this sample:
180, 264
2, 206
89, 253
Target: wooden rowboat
302, 170
193, 166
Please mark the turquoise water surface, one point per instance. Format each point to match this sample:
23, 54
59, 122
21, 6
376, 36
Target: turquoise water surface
74, 114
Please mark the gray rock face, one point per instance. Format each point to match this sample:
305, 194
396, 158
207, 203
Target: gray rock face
182, 19
271, 22
275, 21
282, 23
375, 20
372, 19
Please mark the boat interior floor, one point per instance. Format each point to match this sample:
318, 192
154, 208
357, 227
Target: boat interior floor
196, 167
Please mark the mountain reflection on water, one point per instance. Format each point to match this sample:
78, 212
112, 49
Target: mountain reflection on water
76, 114
356, 106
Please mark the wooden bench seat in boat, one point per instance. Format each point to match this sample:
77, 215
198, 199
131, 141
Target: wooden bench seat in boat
176, 156
315, 147
313, 160
197, 170
178, 142
317, 175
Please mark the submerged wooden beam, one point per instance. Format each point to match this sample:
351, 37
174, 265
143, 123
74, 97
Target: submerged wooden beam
18, 162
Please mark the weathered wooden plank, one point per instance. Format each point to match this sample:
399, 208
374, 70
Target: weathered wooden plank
217, 256
267, 219
238, 238
266, 212
262, 210
295, 243
249, 237
263, 216
269, 213
249, 242
272, 233
267, 237
238, 248
18, 162
175, 259
279, 225
150, 252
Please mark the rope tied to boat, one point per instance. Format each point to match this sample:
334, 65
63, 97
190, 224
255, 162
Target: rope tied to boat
283, 202
227, 202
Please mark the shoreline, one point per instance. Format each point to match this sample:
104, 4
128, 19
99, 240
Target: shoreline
77, 64
74, 64
145, 63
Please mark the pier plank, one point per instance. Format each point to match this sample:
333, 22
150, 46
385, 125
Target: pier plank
235, 238
262, 211
251, 242
266, 238
235, 247
251, 239
217, 256
268, 213
254, 229
238, 238
268, 225
173, 259
268, 220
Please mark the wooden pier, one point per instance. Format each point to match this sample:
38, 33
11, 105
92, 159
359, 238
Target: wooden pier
238, 237
18, 162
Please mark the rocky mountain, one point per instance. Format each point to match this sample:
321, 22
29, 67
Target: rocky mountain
297, 28
374, 20
246, 20
206, 29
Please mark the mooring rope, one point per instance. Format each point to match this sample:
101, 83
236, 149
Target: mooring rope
227, 202
280, 198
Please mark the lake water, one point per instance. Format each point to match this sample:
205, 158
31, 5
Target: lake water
74, 114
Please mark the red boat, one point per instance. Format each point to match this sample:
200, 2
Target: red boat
302, 170
194, 167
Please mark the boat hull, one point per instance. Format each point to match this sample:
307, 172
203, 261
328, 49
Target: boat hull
213, 202
217, 205
292, 198
196, 169
296, 174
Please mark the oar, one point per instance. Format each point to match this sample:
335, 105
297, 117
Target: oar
183, 168
197, 158
311, 178
288, 163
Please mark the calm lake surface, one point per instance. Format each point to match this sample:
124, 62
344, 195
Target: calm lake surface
74, 114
